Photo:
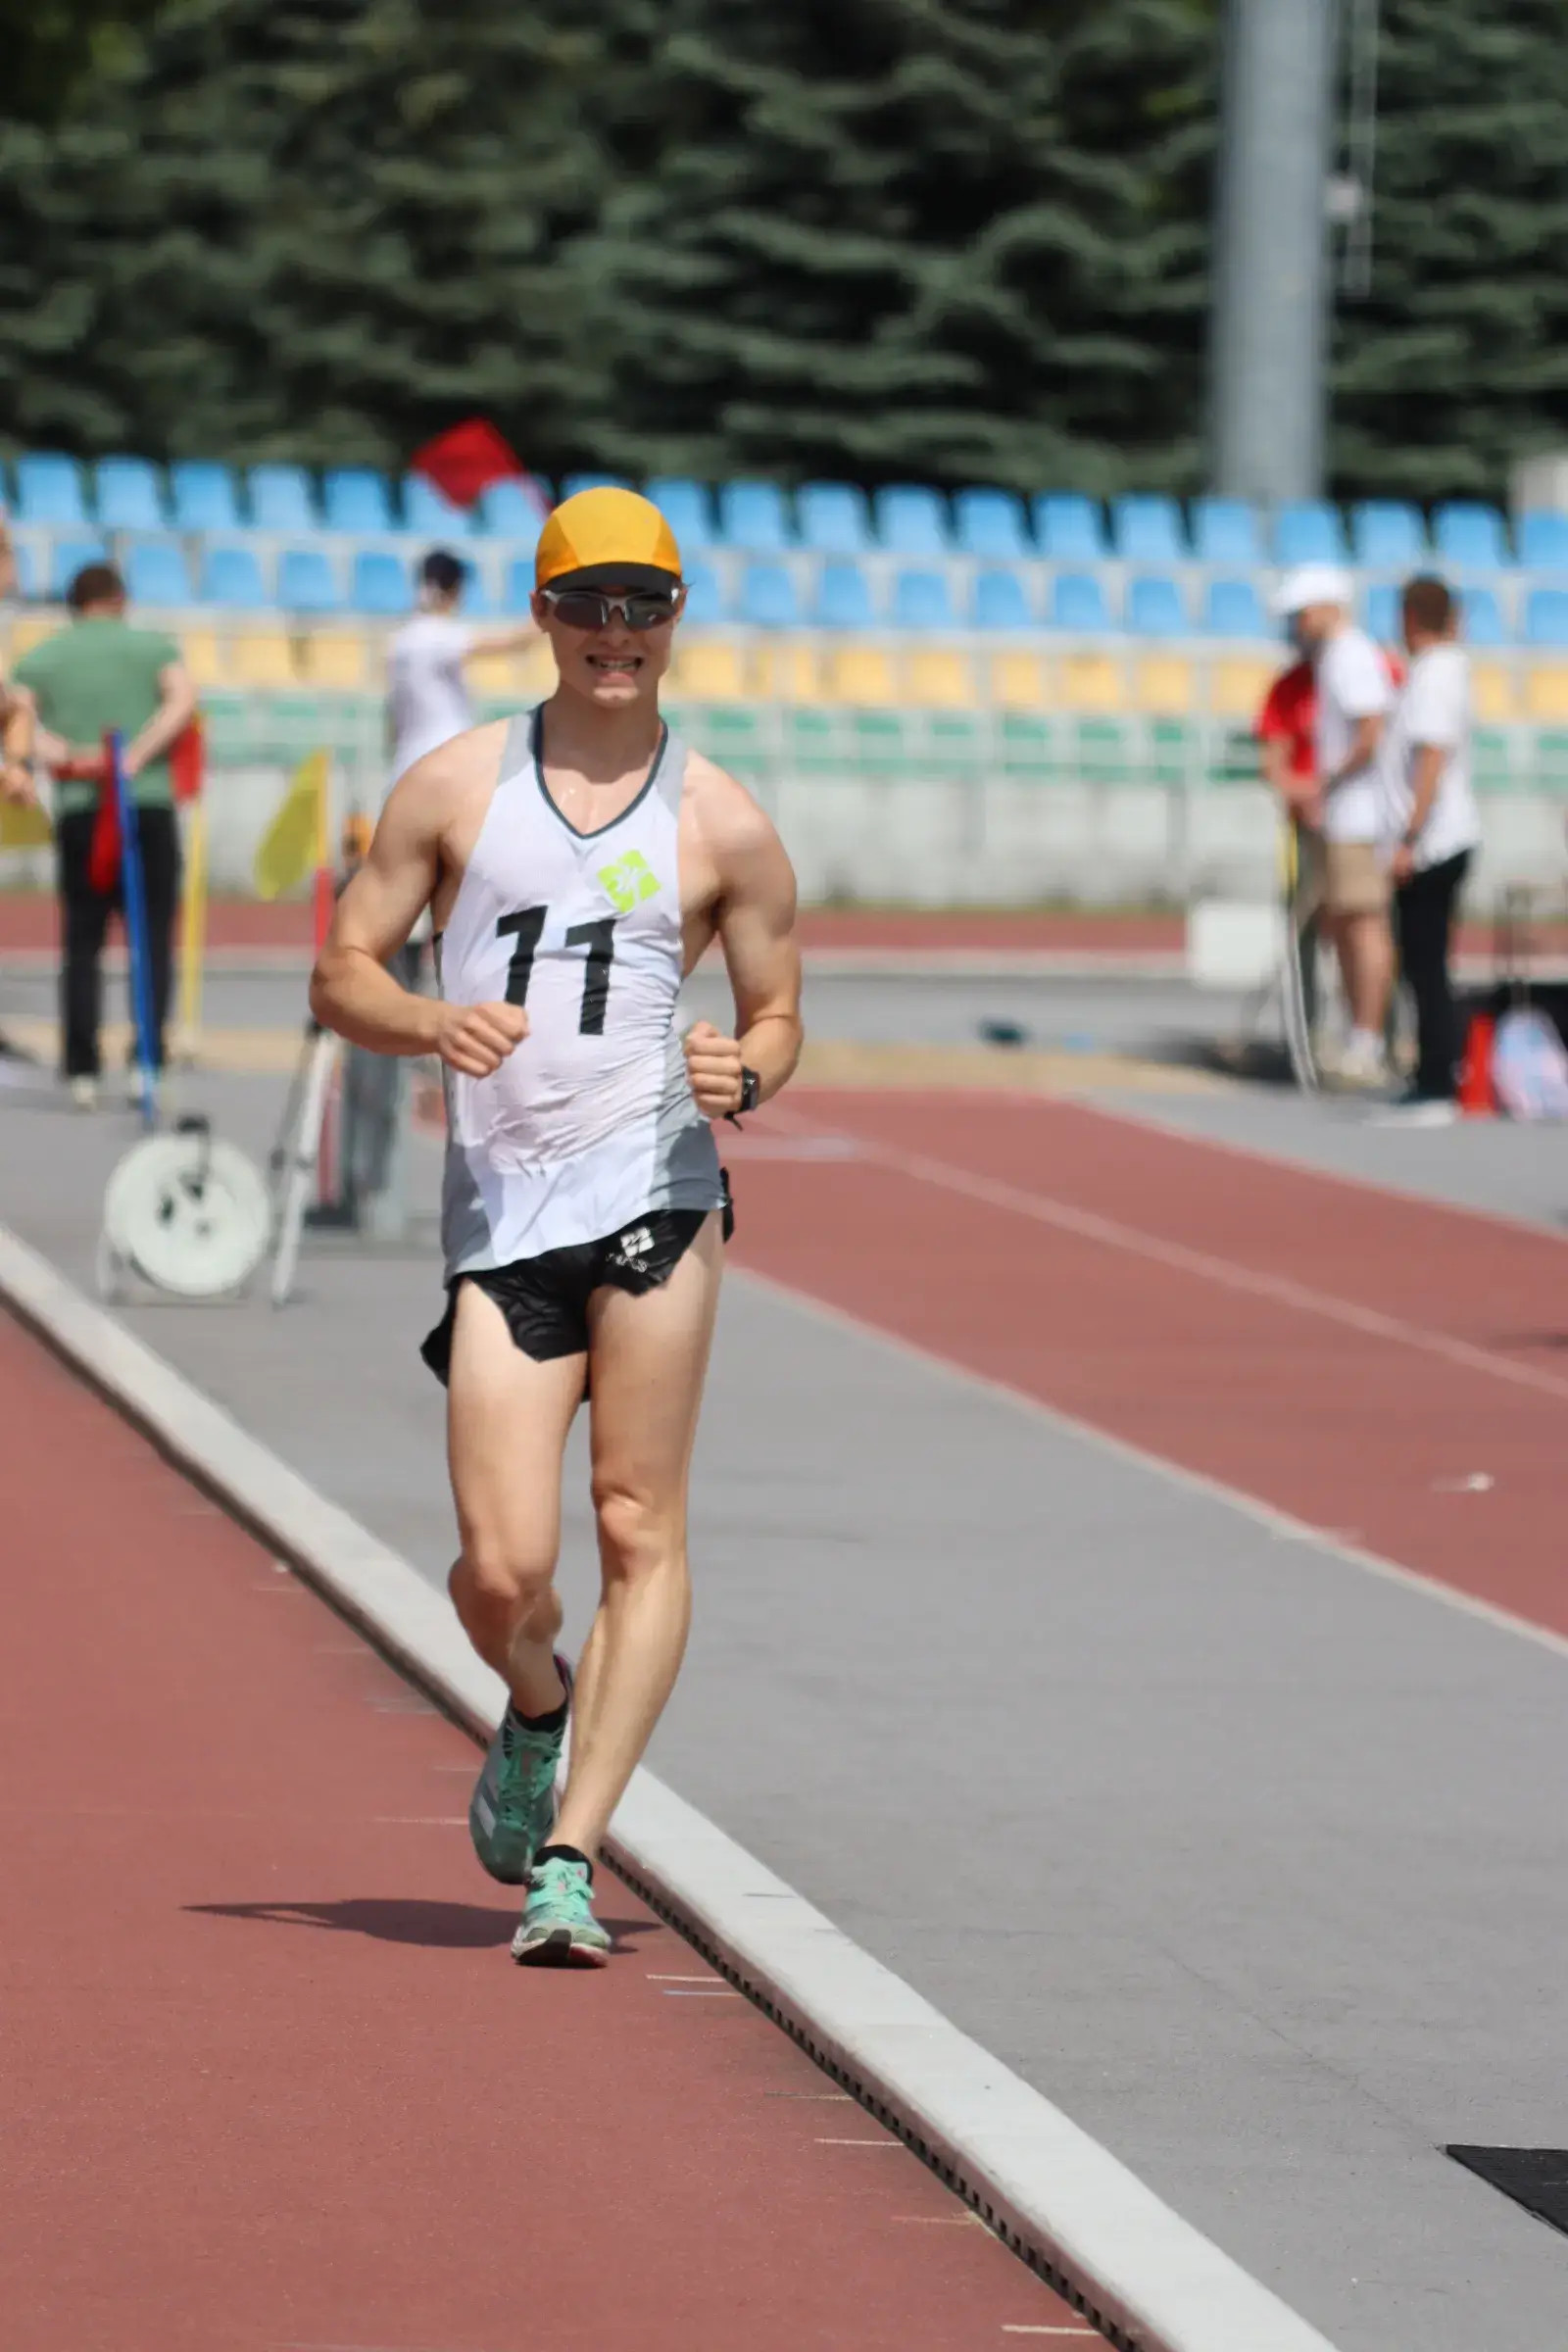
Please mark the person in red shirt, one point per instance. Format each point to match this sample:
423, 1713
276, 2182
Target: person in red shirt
1287, 731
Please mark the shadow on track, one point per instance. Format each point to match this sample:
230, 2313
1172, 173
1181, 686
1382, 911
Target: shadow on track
453, 1927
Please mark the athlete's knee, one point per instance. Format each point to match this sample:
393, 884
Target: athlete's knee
499, 1577
637, 1536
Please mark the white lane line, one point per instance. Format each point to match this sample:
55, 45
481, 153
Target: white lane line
1014, 2327
1277, 1288
1029, 2167
691, 1992
884, 2142
656, 1977
1281, 1525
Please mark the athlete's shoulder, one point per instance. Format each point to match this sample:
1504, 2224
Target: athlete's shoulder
464, 763
726, 814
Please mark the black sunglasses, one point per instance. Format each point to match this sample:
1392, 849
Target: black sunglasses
591, 609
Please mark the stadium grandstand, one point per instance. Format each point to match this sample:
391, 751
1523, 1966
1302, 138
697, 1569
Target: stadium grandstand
904, 632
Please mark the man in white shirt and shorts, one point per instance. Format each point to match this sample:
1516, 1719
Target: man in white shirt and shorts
577, 860
1430, 829
427, 699
1355, 693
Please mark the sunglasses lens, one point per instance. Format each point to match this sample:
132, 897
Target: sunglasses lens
581, 609
648, 611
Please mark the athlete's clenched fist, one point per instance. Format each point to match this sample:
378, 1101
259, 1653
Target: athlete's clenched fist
476, 1039
714, 1067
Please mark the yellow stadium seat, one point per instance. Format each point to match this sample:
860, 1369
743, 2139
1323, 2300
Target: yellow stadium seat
1018, 682
261, 658
939, 677
1162, 684
335, 658
1091, 682
861, 674
1237, 684
784, 669
708, 669
1491, 692
1546, 692
536, 670
495, 677
203, 656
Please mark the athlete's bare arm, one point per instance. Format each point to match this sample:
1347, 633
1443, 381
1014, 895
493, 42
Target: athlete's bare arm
414, 860
749, 904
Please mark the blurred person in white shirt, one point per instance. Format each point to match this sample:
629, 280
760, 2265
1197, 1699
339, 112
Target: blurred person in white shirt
1430, 829
1355, 693
428, 695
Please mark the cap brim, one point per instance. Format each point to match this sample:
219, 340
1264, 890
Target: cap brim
616, 576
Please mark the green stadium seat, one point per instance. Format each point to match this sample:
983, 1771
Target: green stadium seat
1104, 752
1029, 748
813, 744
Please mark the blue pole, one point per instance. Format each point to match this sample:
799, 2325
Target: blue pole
135, 904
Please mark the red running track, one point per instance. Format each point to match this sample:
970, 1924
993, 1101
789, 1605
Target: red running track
270, 2076
1340, 1353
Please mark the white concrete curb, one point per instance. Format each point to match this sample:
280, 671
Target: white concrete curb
1064, 2200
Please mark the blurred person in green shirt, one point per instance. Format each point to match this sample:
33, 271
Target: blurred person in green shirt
97, 674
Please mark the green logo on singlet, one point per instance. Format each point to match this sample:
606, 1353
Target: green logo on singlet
629, 881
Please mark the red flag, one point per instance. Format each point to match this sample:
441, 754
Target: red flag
187, 761
102, 857
468, 458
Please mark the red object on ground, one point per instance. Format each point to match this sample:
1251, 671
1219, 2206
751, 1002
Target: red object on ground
103, 852
1343, 1353
1478, 1095
187, 761
273, 2078
466, 459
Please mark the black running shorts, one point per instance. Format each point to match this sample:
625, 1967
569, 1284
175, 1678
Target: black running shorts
545, 1299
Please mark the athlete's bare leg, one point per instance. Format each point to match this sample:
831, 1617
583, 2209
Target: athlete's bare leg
507, 1424
649, 1356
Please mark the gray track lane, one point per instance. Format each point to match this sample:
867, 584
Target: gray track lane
1252, 1861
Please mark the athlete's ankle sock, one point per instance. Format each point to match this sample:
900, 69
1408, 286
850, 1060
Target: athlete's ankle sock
1365, 1041
554, 1721
563, 1854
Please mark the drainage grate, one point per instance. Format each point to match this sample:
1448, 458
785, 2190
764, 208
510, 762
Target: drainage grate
1535, 2177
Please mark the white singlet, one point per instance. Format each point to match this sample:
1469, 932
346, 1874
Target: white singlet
590, 1123
427, 694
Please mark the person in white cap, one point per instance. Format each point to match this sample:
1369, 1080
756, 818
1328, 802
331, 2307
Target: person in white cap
1355, 693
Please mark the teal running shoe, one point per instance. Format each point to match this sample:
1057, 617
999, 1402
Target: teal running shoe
513, 1808
558, 1929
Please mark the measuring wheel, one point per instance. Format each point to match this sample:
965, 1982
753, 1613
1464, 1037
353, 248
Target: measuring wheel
189, 1214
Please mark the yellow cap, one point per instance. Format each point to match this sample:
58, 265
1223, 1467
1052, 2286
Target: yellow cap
604, 530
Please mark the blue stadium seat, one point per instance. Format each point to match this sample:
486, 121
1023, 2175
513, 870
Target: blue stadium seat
1380, 613
27, 569
1068, 528
1388, 535
921, 600
49, 490
767, 597
1225, 531
130, 497
280, 499
155, 573
1147, 530
1546, 616
476, 602
687, 508
1234, 609
844, 599
1543, 541
516, 596
66, 557
355, 498
992, 524
1307, 530
305, 582
1470, 536
911, 521
574, 483
426, 511
508, 512
381, 584
1078, 602
1154, 607
705, 600
833, 519
1000, 602
753, 516
204, 496
232, 578
1483, 617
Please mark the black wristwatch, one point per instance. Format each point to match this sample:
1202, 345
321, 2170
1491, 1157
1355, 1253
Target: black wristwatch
751, 1087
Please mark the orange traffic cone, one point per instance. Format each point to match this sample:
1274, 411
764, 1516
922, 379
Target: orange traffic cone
1478, 1096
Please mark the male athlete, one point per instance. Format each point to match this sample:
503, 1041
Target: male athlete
576, 861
